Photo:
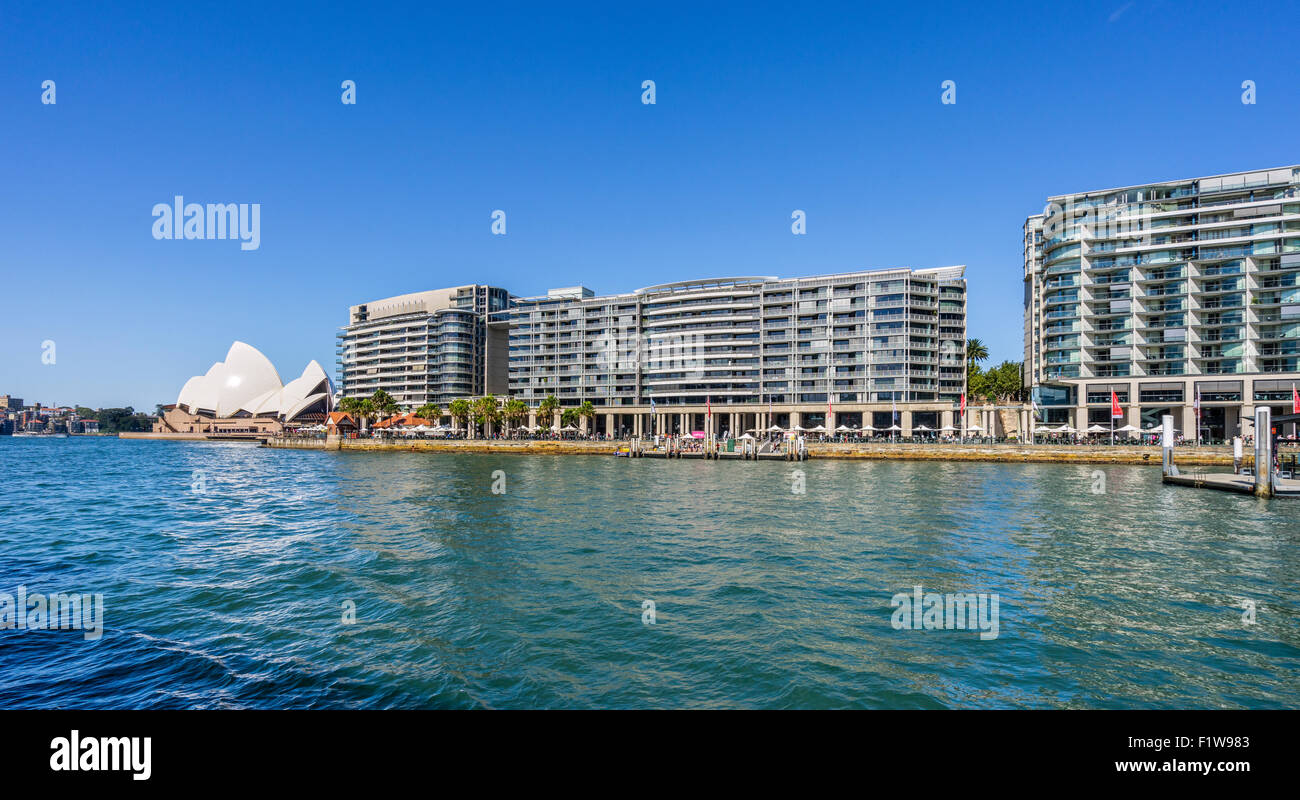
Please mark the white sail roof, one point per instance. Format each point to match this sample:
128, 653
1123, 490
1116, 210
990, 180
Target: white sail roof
247, 381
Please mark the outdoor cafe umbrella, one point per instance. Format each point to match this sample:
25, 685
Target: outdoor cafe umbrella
1126, 428
818, 429
975, 428
1044, 429
799, 428
893, 428
947, 428
924, 428
775, 429
746, 436
1098, 429
844, 428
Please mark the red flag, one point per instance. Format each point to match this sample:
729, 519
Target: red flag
1115, 412
1295, 400
708, 406
963, 402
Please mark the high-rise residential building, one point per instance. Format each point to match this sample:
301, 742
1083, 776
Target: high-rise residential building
1180, 297
424, 347
745, 353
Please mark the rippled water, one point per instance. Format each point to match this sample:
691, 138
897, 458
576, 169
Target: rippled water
233, 597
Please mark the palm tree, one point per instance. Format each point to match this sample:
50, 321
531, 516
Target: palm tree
460, 410
546, 410
361, 409
486, 411
515, 411
587, 411
568, 417
429, 411
384, 403
352, 406
366, 412
976, 351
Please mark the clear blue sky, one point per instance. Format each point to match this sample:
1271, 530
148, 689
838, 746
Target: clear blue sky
536, 109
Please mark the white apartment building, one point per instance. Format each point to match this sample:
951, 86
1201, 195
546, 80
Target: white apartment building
745, 353
1163, 293
423, 347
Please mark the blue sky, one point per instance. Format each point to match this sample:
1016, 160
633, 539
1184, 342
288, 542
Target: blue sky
536, 109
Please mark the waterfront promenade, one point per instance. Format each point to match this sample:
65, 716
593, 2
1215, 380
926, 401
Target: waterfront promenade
1217, 456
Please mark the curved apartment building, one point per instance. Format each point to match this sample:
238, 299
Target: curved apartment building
747, 352
424, 347
1165, 293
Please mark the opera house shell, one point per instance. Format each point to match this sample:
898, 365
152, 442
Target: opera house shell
243, 394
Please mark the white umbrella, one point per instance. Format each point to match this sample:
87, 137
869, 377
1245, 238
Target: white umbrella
893, 428
947, 428
1125, 428
868, 427
569, 428
924, 428
843, 428
975, 428
746, 436
775, 429
1098, 429
1044, 429
1065, 429
798, 428
818, 429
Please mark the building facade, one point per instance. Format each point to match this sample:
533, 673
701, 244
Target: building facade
1176, 296
860, 348
425, 347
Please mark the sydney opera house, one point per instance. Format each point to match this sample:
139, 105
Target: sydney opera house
243, 396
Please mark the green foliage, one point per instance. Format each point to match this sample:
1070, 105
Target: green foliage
429, 411
118, 420
1000, 384
515, 411
546, 410
384, 403
459, 409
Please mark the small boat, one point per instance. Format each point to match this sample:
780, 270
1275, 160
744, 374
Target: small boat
623, 451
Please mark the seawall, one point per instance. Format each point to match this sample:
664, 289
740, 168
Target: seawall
1216, 456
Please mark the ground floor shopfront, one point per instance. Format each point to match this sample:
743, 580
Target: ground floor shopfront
1227, 403
720, 420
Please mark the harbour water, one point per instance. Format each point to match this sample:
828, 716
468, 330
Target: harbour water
226, 572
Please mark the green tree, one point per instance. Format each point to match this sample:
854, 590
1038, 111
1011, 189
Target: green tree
384, 403
362, 409
568, 416
460, 410
429, 411
515, 411
587, 411
487, 411
546, 411
976, 351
